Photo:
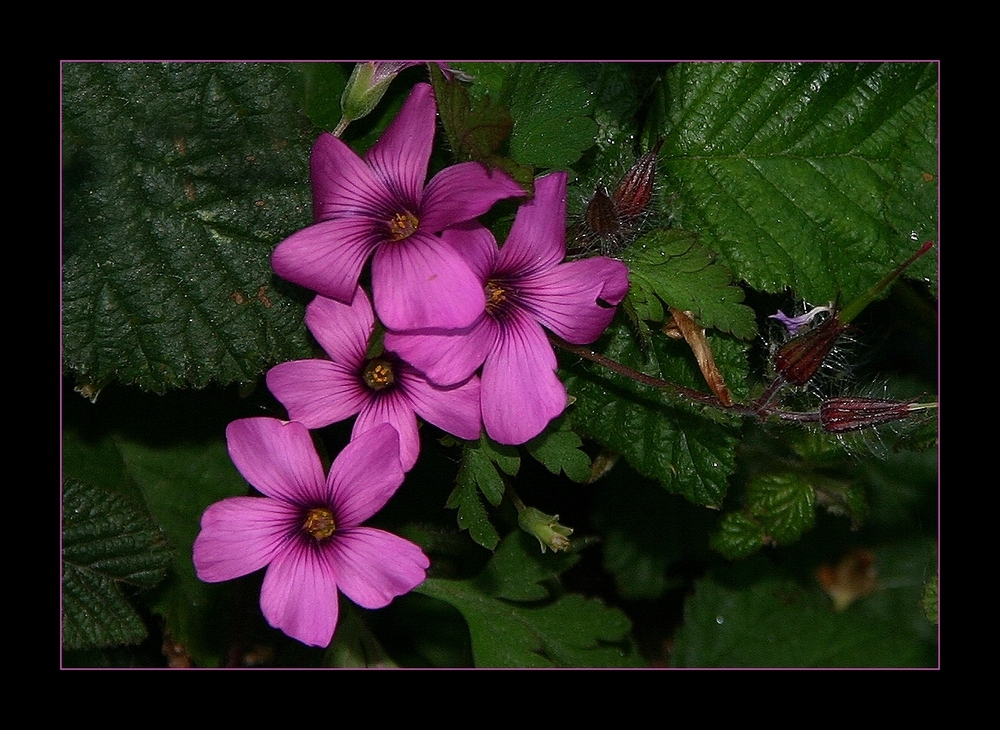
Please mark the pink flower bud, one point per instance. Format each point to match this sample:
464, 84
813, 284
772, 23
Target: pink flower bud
799, 359
850, 414
634, 191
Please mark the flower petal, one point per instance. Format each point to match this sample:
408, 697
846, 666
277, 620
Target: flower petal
364, 475
454, 409
420, 283
520, 390
342, 330
393, 408
342, 184
240, 535
445, 357
299, 593
328, 257
317, 392
577, 299
374, 566
537, 238
278, 458
462, 192
401, 155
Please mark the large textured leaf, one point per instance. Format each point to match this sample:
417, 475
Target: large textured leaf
179, 180
820, 177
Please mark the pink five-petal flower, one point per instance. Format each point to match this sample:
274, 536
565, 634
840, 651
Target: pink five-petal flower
307, 528
383, 389
527, 286
379, 205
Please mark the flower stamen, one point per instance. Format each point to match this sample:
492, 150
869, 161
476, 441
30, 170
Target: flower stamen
496, 295
378, 374
402, 225
319, 523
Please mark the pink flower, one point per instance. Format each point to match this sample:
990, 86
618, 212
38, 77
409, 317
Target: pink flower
382, 389
306, 529
526, 287
379, 205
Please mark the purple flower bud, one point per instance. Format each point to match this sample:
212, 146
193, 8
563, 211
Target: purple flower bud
851, 414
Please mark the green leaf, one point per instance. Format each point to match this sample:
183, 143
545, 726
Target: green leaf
818, 177
672, 268
179, 180
472, 515
689, 450
478, 473
784, 504
567, 631
108, 544
559, 450
739, 536
550, 108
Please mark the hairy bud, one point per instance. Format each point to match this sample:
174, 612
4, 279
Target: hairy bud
799, 359
839, 415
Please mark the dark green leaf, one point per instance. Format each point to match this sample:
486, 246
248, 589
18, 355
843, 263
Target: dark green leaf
107, 544
784, 504
179, 181
819, 177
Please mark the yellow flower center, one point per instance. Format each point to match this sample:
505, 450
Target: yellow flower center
402, 225
319, 523
496, 295
378, 374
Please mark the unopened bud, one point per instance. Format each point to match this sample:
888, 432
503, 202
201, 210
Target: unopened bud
601, 216
610, 220
545, 528
368, 83
367, 86
851, 414
634, 191
799, 359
